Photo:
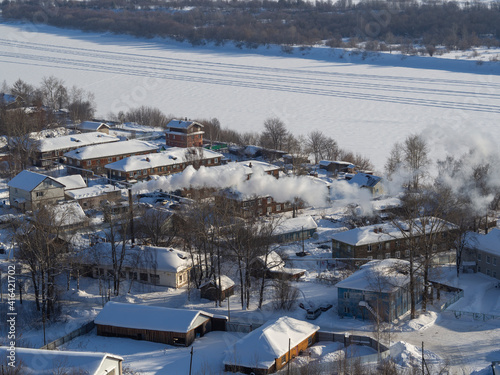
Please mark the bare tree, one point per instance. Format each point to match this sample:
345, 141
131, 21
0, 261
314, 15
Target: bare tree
314, 143
157, 227
54, 94
81, 104
275, 134
146, 116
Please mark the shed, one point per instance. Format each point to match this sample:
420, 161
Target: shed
295, 229
274, 267
93, 126
49, 362
266, 349
210, 288
157, 324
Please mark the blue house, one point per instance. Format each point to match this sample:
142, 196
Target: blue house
378, 290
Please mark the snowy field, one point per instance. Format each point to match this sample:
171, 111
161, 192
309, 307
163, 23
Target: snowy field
365, 102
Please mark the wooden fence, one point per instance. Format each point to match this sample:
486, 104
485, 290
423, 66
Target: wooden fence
70, 336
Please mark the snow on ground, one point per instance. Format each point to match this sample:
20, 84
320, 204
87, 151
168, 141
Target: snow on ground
366, 102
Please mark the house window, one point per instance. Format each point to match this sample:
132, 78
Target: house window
494, 261
110, 160
488, 259
387, 255
369, 257
407, 253
278, 207
269, 210
155, 279
39, 193
369, 248
379, 246
132, 275
398, 254
387, 245
283, 359
478, 269
144, 276
478, 256
269, 200
348, 248
145, 172
346, 309
488, 272
434, 247
180, 278
310, 341
89, 162
346, 295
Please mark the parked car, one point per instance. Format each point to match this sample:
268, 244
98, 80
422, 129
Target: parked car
326, 307
313, 314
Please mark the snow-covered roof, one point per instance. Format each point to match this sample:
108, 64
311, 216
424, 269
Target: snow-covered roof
261, 347
245, 167
91, 125
181, 124
337, 162
274, 260
378, 276
92, 191
68, 213
486, 242
111, 149
296, 224
376, 233
7, 98
143, 257
75, 181
365, 180
150, 317
225, 282
48, 362
384, 204
74, 140
171, 156
27, 180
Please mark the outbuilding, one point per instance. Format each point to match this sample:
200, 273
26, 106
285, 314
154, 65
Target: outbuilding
157, 324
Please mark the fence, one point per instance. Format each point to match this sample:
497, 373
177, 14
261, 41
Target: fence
474, 315
241, 327
70, 336
357, 340
454, 298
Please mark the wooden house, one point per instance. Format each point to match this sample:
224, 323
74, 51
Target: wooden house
486, 251
93, 126
183, 133
172, 160
50, 362
93, 159
29, 190
269, 348
157, 324
388, 240
50, 150
337, 167
210, 289
273, 266
295, 229
378, 290
147, 264
369, 182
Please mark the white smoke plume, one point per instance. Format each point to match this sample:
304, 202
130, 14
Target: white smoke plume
312, 191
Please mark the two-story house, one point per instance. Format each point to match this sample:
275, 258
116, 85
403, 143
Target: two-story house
29, 190
172, 160
392, 239
92, 159
183, 133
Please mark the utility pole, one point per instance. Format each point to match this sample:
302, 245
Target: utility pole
191, 361
131, 210
289, 359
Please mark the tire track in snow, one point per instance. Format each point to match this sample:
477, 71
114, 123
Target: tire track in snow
319, 83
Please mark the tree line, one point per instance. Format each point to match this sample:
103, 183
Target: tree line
285, 22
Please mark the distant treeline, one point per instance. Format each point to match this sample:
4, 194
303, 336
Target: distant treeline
253, 23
